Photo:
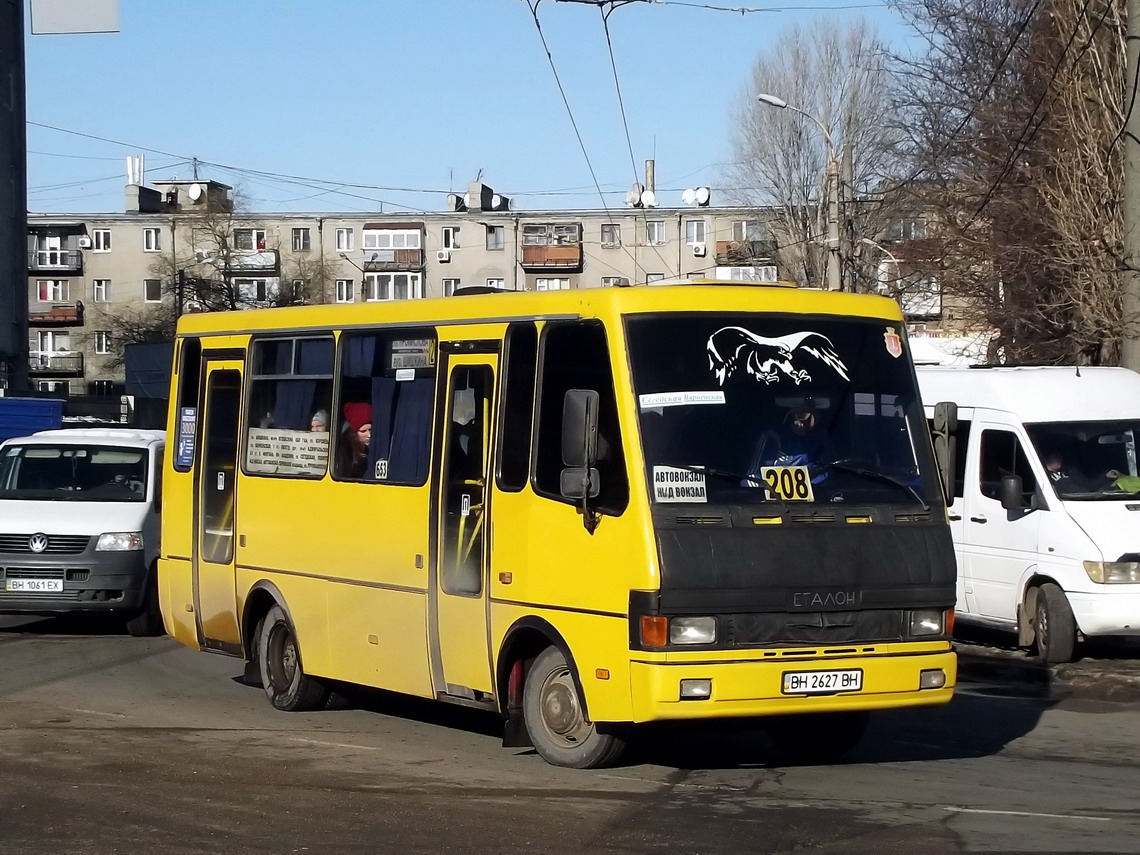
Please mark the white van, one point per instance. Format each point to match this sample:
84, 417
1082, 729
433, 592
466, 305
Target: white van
1041, 468
79, 523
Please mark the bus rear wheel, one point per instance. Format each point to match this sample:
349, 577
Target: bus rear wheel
556, 720
282, 673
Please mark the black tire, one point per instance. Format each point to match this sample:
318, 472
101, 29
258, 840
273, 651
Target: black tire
1054, 627
555, 717
815, 738
148, 622
282, 672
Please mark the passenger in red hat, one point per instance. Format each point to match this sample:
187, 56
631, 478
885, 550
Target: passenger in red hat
353, 457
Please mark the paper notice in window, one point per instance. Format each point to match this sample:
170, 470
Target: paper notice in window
275, 451
679, 399
671, 484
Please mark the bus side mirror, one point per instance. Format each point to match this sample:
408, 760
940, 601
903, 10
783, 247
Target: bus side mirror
580, 479
944, 431
1012, 493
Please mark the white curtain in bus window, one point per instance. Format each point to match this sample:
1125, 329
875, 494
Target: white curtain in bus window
290, 398
395, 374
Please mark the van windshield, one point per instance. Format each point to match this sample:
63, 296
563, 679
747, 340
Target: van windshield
753, 408
1089, 461
74, 473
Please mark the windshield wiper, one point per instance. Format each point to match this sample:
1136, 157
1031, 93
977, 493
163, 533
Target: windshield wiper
844, 466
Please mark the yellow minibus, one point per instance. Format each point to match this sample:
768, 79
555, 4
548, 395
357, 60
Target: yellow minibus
583, 510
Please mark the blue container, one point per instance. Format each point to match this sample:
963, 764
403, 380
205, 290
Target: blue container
22, 416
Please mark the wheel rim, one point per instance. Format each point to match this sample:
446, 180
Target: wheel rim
282, 658
562, 716
1042, 625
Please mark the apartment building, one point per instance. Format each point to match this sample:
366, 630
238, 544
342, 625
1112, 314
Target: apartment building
86, 273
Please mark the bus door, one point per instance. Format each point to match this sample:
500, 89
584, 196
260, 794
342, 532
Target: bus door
460, 637
215, 598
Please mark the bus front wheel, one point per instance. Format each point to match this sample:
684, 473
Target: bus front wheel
556, 719
282, 675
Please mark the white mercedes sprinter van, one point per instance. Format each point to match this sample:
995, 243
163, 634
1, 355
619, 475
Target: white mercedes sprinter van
1040, 465
79, 523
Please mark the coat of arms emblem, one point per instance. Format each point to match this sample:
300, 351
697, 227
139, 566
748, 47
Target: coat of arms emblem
894, 342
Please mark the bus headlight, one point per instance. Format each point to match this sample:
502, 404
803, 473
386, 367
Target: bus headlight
926, 622
119, 541
1113, 572
692, 630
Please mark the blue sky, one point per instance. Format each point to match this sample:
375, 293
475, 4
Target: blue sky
416, 94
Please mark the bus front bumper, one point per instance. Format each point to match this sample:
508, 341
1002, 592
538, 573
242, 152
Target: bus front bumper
740, 689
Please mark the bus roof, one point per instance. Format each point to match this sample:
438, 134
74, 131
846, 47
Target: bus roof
703, 296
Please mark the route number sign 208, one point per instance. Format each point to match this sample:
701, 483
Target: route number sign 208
790, 483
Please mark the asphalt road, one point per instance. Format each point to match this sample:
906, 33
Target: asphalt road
110, 744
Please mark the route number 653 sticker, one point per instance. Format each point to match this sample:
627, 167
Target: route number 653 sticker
789, 483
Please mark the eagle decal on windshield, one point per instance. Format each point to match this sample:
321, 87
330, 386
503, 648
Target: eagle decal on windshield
794, 356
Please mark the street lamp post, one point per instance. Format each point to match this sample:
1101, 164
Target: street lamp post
834, 263
884, 251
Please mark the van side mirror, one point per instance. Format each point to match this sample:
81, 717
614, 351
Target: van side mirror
1013, 493
944, 430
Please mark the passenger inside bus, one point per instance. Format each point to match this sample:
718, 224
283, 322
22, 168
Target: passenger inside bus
352, 451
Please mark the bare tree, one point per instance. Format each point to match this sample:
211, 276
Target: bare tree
1013, 112
837, 75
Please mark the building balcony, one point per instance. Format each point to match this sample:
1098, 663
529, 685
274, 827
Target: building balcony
734, 253
56, 315
58, 363
384, 260
566, 257
61, 262
263, 261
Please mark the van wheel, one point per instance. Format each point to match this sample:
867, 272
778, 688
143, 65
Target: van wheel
1056, 629
556, 720
282, 673
148, 621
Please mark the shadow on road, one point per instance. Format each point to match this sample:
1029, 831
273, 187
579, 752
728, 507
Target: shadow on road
64, 625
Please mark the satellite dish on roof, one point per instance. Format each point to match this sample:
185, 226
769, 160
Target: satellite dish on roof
689, 197
194, 191
634, 196
649, 199
703, 195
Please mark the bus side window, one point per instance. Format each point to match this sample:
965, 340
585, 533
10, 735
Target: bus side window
517, 406
576, 356
189, 379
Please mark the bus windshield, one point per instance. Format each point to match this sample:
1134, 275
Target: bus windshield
1089, 461
78, 473
757, 409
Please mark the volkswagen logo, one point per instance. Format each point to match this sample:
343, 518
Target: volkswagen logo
38, 542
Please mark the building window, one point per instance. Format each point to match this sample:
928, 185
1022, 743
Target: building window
249, 239
53, 290
495, 236
298, 290
102, 341
747, 230
613, 281
552, 284
254, 290
50, 342
763, 273
912, 229
611, 235
103, 388
654, 277
100, 290
451, 237
393, 286
344, 290
500, 284
301, 240
391, 239
152, 290
344, 241
449, 286
694, 232
152, 240
552, 234
62, 387
655, 232
101, 240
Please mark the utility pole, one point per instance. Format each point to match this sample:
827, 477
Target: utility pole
13, 201
847, 212
1130, 336
834, 278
